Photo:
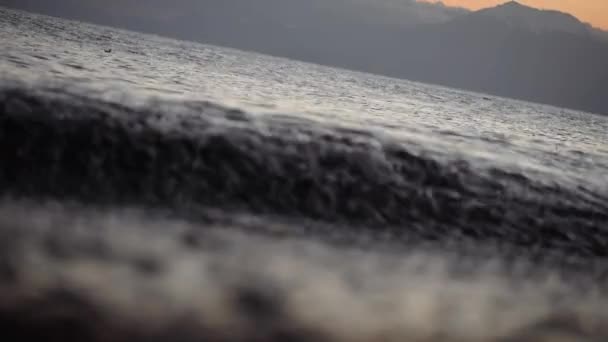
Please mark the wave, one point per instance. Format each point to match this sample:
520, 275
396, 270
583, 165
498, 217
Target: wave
186, 156
163, 219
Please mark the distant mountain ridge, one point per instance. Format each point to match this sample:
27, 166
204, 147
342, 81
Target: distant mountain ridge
557, 61
509, 50
536, 20
600, 34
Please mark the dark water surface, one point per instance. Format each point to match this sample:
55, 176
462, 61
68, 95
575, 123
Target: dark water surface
219, 194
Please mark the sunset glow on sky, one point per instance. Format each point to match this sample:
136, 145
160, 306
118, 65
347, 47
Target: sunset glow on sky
594, 12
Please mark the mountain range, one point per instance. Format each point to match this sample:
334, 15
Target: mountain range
509, 50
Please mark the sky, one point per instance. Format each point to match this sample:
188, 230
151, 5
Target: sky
594, 12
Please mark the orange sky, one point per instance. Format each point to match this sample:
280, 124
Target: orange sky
594, 12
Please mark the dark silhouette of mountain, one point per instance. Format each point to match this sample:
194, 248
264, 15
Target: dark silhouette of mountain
600, 34
556, 61
509, 50
519, 16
